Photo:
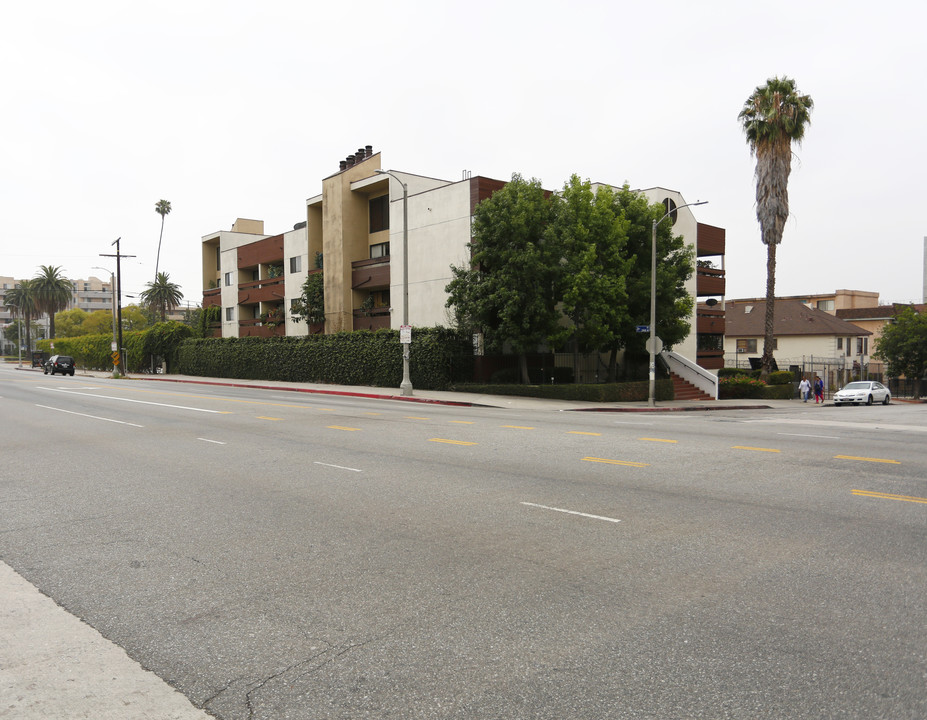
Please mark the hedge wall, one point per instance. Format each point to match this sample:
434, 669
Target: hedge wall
637, 391
438, 358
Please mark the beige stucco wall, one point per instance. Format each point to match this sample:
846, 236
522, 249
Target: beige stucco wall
439, 230
295, 244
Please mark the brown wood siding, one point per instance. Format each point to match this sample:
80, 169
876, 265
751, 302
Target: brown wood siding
370, 274
261, 291
212, 297
268, 250
709, 282
709, 240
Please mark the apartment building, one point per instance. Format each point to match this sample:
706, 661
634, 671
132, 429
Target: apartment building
353, 233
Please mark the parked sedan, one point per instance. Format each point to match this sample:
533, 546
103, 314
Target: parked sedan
863, 391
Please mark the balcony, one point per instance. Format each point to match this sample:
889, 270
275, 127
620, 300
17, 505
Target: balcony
255, 328
709, 281
710, 359
261, 252
373, 319
370, 274
709, 240
211, 297
270, 290
709, 321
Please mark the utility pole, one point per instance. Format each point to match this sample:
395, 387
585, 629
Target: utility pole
121, 364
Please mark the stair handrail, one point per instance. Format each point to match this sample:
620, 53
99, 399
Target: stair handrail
692, 373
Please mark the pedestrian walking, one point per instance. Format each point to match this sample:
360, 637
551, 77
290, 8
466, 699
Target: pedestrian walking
818, 391
804, 389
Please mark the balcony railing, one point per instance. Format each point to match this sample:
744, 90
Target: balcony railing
255, 328
211, 297
709, 281
374, 319
269, 290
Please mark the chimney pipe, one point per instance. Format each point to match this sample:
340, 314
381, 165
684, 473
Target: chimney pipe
350, 160
369, 150
342, 165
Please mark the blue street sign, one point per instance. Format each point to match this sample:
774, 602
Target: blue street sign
643, 328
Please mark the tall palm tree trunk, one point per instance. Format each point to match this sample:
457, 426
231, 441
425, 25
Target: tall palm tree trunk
769, 330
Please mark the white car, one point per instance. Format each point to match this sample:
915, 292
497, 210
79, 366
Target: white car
863, 391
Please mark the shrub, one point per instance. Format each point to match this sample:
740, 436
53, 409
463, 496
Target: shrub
738, 386
779, 377
733, 372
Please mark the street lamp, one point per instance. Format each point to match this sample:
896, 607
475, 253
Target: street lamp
652, 344
405, 330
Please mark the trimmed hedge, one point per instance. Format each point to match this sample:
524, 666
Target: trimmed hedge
637, 391
93, 351
438, 358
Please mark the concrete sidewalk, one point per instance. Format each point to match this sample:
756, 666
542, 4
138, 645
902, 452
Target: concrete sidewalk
448, 397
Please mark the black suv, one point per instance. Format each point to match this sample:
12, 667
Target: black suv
60, 363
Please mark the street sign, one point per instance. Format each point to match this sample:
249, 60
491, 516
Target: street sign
115, 357
405, 334
643, 328
657, 347
112, 346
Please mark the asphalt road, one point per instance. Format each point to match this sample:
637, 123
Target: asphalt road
273, 555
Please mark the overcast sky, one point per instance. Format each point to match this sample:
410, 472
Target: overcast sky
239, 109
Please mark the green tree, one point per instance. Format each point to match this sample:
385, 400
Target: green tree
70, 323
310, 305
773, 117
133, 318
510, 291
161, 295
593, 234
675, 265
53, 292
21, 300
903, 346
163, 208
99, 322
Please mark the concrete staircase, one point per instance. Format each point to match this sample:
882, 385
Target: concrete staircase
684, 390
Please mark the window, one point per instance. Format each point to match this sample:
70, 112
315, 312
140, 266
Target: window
379, 250
229, 314
379, 213
745, 345
296, 264
862, 346
825, 304
228, 279
849, 349
218, 267
840, 343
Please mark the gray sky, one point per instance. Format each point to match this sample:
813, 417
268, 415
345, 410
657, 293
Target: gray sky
239, 109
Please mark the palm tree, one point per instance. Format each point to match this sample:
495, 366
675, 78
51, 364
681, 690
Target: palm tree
772, 117
162, 207
21, 301
162, 295
53, 292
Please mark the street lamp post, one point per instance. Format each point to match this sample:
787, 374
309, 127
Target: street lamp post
652, 344
406, 385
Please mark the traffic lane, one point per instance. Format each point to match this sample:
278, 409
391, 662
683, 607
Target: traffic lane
403, 587
363, 529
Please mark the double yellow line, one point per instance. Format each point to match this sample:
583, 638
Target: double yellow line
887, 496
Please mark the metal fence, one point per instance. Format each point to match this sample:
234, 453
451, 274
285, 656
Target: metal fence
835, 371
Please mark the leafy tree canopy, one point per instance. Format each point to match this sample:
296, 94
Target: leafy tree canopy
310, 305
903, 345
69, 323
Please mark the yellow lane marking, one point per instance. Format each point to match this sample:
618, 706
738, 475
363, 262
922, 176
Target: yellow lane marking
658, 440
886, 496
463, 422
616, 462
451, 442
578, 432
264, 417
414, 417
340, 427
865, 459
517, 427
372, 413
745, 447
